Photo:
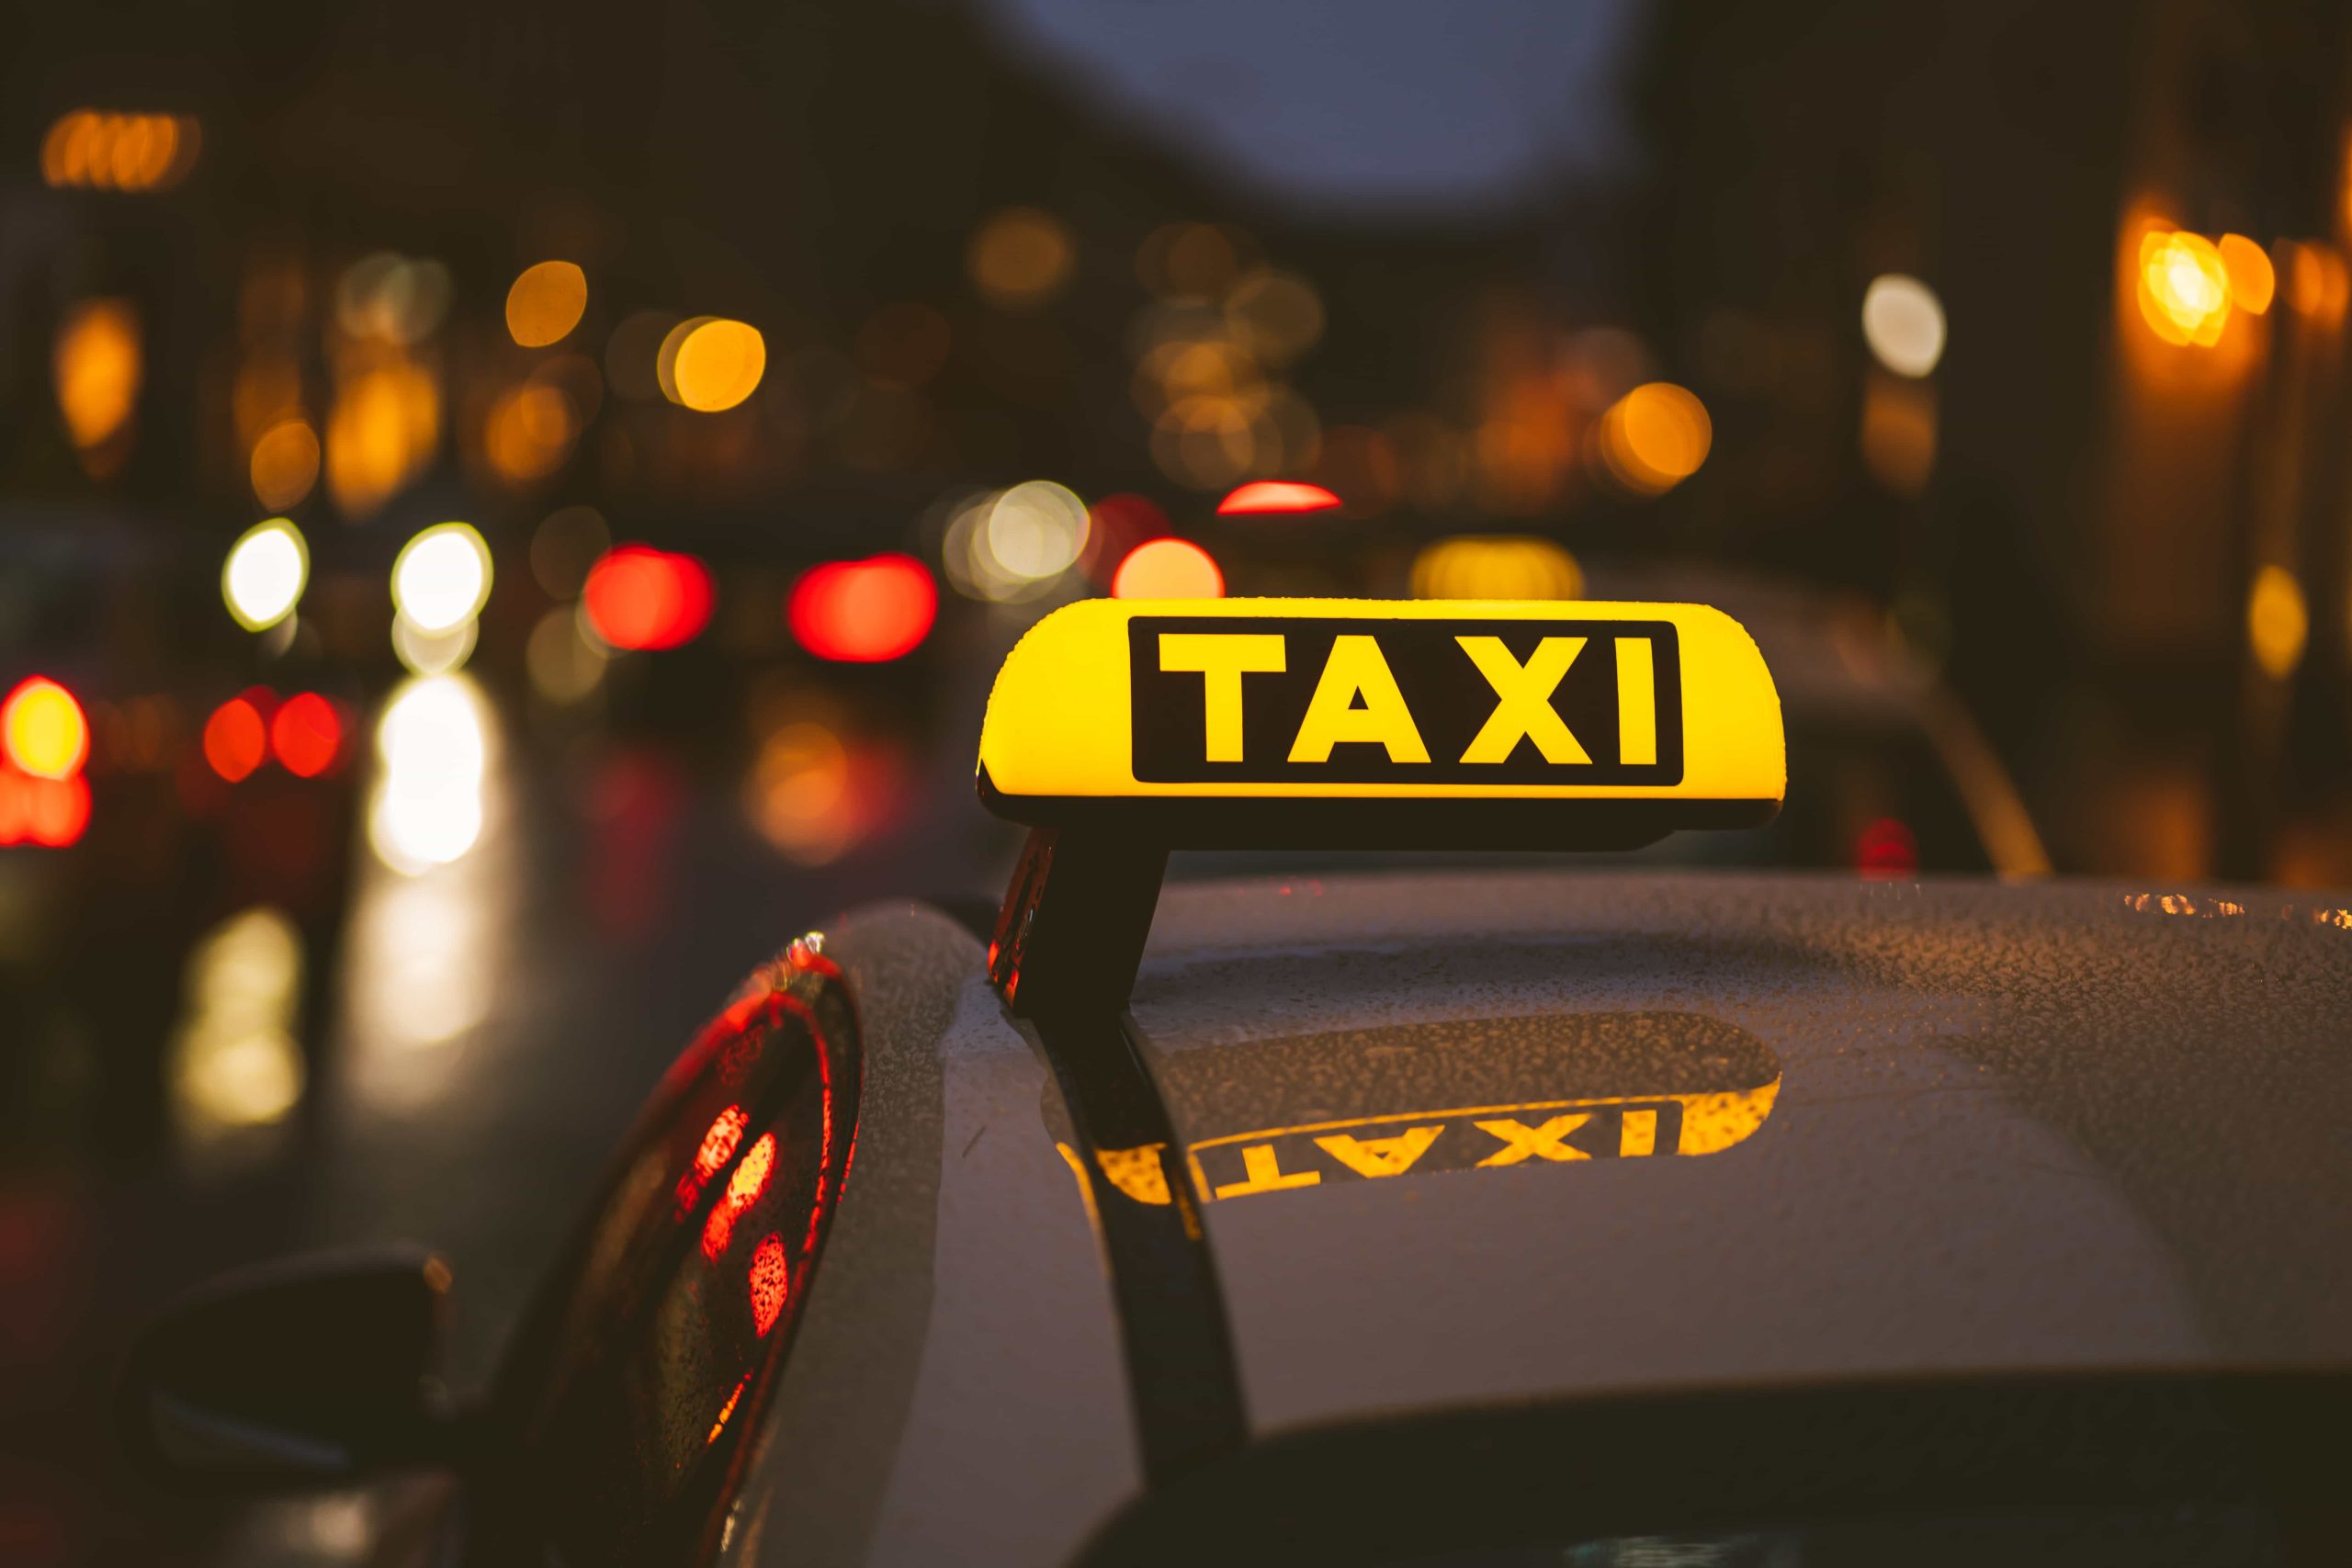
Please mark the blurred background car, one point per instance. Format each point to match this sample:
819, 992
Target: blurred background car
642, 434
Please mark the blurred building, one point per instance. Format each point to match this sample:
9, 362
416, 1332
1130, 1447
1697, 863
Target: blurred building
2113, 501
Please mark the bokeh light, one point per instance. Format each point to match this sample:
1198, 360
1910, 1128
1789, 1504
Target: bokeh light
120, 152
2253, 280
1269, 497
640, 598
1020, 258
529, 432
98, 369
262, 580
2184, 288
2278, 621
396, 299
1035, 530
1903, 322
432, 742
565, 663
382, 429
50, 813
1277, 316
306, 735
862, 612
1655, 437
1168, 569
715, 364
44, 729
234, 1060
546, 302
441, 578
236, 739
285, 464
1482, 566
422, 652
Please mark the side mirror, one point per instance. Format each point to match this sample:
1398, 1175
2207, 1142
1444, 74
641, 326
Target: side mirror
308, 1373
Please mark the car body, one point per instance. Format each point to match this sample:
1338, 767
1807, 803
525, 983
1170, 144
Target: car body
1526, 1209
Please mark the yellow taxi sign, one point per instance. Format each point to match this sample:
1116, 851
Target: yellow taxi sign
1315, 722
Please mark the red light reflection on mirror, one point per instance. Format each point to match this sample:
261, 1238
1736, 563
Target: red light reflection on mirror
718, 1148
771, 1273
727, 1410
743, 1189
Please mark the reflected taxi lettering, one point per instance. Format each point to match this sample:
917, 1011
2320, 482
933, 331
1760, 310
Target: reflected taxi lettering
1278, 1159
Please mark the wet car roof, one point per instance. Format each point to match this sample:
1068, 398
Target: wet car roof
1799, 1130
1478, 1139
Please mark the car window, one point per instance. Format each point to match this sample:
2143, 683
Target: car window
658, 1340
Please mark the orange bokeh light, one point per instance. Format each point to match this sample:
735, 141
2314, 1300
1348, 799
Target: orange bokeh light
2184, 287
236, 741
1168, 569
1267, 496
862, 612
307, 735
640, 598
2253, 280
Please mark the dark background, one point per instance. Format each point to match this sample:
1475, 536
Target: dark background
1427, 256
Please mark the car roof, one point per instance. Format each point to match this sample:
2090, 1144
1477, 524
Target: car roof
1949, 1127
1830, 1131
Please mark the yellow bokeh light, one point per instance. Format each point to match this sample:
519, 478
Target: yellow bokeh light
546, 302
1020, 258
1656, 436
2184, 288
2276, 622
2253, 280
98, 367
262, 580
285, 464
716, 363
42, 730
1496, 567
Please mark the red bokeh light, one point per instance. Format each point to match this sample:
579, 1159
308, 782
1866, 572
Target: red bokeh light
743, 1189
1168, 569
307, 735
862, 612
49, 812
1264, 496
1887, 848
770, 1275
235, 739
642, 598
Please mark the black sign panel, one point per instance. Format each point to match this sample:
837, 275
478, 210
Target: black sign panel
1184, 692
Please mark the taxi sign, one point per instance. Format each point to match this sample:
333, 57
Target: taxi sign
1330, 722
1121, 729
